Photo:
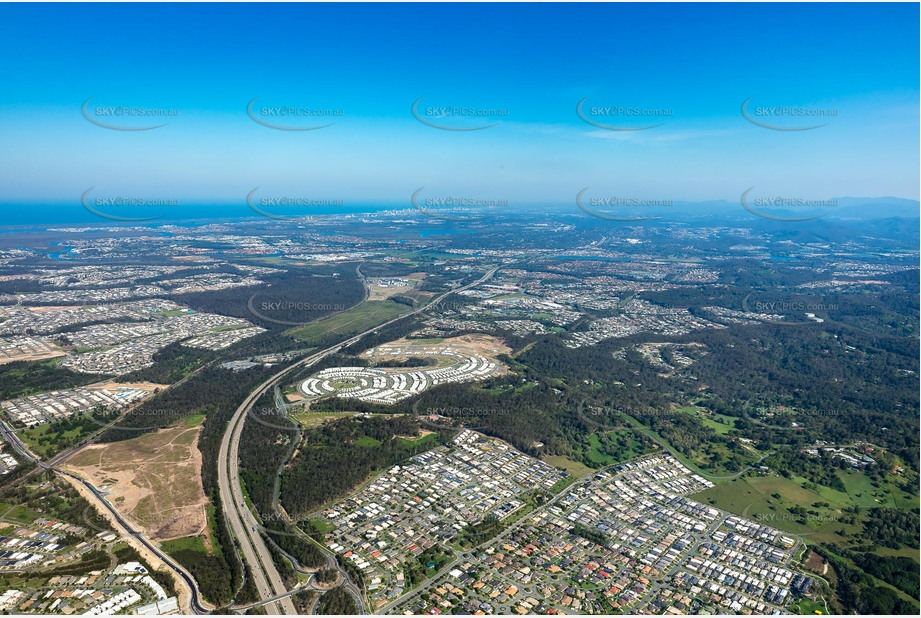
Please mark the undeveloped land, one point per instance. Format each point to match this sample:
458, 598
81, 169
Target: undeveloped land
157, 480
485, 345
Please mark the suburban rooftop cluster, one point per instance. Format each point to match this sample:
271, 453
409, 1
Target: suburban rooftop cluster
56, 405
410, 507
625, 540
388, 386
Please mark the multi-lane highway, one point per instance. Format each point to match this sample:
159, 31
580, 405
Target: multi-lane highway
243, 525
275, 598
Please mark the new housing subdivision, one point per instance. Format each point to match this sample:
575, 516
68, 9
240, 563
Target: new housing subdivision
626, 539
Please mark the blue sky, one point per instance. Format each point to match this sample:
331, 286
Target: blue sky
535, 62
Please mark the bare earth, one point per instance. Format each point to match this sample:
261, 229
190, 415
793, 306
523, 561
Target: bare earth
486, 345
185, 594
145, 386
32, 357
52, 308
378, 292
157, 480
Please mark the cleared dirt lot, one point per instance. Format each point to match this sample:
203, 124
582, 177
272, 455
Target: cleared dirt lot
185, 593
32, 357
154, 480
144, 386
485, 345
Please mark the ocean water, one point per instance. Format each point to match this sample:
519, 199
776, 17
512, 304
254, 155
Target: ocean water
40, 215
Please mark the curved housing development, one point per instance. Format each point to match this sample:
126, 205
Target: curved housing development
388, 386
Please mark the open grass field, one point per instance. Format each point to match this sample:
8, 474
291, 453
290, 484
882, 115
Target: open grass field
719, 423
48, 439
905, 552
862, 492
613, 446
354, 320
157, 480
594, 453
690, 463
767, 499
322, 526
509, 388
575, 469
808, 606
213, 542
17, 513
424, 439
187, 543
315, 419
379, 292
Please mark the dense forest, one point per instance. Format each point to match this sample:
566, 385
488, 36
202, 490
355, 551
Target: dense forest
337, 602
21, 378
209, 391
900, 571
286, 299
858, 591
334, 458
266, 444
892, 528
171, 364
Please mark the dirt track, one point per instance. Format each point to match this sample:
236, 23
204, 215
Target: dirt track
184, 594
153, 480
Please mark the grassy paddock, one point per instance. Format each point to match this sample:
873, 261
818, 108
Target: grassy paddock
352, 321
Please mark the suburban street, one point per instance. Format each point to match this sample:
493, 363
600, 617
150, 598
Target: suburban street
243, 525
196, 602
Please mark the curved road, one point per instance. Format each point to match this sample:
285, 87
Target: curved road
243, 525
196, 599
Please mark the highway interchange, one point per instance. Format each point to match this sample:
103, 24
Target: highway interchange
274, 596
243, 524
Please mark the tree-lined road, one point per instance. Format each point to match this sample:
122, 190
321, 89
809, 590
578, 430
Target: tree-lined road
242, 523
196, 602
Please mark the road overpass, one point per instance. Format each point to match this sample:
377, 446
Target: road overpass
242, 523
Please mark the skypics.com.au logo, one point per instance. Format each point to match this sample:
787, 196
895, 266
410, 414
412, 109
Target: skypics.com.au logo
107, 206
619, 207
775, 308
459, 208
284, 117
790, 117
270, 205
781, 204
455, 417
145, 418
126, 117
457, 117
279, 310
626, 117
